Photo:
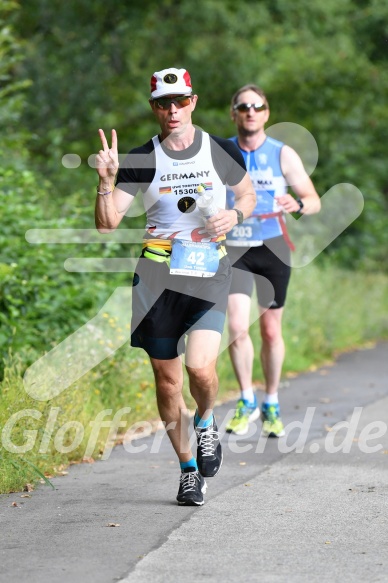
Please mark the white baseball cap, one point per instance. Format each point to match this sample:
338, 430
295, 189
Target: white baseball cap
170, 82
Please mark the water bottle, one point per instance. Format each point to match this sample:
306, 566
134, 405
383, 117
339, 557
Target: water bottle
205, 203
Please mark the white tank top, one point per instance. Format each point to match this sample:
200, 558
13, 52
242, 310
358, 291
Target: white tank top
170, 200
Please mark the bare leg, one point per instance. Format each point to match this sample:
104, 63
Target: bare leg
240, 344
201, 358
172, 408
272, 348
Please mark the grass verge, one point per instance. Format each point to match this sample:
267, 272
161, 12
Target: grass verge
328, 311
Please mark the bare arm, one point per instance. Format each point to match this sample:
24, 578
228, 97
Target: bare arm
300, 182
245, 201
111, 203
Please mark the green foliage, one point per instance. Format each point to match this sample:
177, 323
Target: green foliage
11, 89
323, 66
40, 302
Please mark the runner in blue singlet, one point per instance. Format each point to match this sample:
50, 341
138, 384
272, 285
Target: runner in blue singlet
259, 250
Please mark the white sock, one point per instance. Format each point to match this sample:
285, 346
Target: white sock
271, 399
248, 395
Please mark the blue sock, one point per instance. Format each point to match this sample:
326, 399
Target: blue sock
190, 464
201, 423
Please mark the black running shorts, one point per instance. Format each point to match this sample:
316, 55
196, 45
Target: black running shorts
261, 265
166, 307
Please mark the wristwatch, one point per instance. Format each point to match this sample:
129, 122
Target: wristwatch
240, 216
301, 205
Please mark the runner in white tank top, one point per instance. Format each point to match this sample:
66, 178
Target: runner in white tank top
182, 279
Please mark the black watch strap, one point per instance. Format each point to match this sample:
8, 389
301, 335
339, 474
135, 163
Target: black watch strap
301, 205
240, 216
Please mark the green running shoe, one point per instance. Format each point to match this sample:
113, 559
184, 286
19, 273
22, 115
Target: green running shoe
245, 413
272, 424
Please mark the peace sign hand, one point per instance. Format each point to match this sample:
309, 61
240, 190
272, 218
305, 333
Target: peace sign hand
107, 159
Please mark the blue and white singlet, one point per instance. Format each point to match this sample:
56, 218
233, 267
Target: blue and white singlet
269, 183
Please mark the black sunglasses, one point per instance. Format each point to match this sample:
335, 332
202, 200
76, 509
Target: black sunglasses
178, 101
247, 106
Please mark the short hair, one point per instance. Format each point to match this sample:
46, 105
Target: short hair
249, 87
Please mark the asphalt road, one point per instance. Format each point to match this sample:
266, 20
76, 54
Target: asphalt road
311, 506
